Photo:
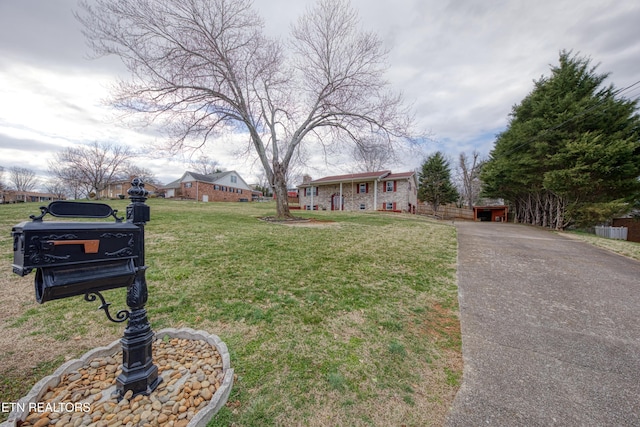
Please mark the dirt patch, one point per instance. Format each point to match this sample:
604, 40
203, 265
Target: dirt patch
21, 348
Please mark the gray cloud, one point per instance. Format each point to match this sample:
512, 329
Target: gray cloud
463, 64
28, 146
46, 33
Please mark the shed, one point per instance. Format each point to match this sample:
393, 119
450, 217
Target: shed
490, 213
633, 226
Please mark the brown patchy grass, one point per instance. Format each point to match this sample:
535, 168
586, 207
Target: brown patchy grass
622, 247
352, 320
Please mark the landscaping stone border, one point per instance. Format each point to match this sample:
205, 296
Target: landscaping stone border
201, 418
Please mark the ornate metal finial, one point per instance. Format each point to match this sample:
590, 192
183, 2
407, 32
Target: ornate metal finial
137, 190
137, 211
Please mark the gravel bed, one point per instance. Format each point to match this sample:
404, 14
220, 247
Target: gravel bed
191, 371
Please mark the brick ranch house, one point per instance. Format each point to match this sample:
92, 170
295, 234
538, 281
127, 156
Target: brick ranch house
216, 187
13, 196
118, 189
369, 191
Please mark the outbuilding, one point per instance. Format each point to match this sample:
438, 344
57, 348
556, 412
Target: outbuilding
490, 213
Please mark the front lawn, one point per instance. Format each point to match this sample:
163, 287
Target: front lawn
348, 320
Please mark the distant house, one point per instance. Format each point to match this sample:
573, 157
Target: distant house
369, 191
118, 189
12, 196
217, 187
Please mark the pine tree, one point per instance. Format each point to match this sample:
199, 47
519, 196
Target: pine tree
572, 149
435, 185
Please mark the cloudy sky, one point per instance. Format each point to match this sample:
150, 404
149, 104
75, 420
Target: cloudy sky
462, 64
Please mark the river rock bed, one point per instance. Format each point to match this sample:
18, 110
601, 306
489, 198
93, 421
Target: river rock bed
191, 371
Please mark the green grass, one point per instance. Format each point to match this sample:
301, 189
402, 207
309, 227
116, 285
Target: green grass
353, 322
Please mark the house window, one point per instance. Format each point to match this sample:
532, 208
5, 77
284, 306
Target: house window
187, 184
234, 179
388, 206
390, 185
216, 187
307, 191
362, 188
362, 206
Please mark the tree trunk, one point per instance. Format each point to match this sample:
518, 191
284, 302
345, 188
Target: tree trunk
280, 190
435, 206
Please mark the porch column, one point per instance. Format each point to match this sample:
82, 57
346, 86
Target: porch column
375, 195
341, 196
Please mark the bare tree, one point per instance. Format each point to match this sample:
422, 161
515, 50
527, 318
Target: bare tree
204, 67
469, 169
23, 179
205, 165
90, 168
372, 154
263, 186
60, 189
2, 184
128, 171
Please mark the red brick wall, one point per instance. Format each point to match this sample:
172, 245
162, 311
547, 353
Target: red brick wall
633, 225
199, 189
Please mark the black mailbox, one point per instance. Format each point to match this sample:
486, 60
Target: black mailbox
75, 258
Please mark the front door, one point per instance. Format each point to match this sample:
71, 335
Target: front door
337, 202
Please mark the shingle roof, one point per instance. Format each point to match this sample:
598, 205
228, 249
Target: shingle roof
398, 175
174, 184
209, 178
385, 175
352, 177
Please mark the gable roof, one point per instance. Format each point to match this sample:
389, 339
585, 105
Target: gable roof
214, 177
211, 178
174, 184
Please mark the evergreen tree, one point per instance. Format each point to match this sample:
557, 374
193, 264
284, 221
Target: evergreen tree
435, 185
571, 150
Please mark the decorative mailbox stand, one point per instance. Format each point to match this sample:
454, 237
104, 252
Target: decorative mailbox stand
76, 258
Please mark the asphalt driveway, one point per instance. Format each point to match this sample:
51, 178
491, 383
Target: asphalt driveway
550, 330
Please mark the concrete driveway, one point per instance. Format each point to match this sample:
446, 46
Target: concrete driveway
550, 330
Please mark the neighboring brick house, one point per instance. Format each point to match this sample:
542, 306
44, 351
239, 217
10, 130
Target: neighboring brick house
13, 196
217, 187
118, 189
367, 191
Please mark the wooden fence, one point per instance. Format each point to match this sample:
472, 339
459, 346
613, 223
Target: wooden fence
445, 212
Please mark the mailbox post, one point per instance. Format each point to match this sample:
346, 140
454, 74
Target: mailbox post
75, 258
138, 371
